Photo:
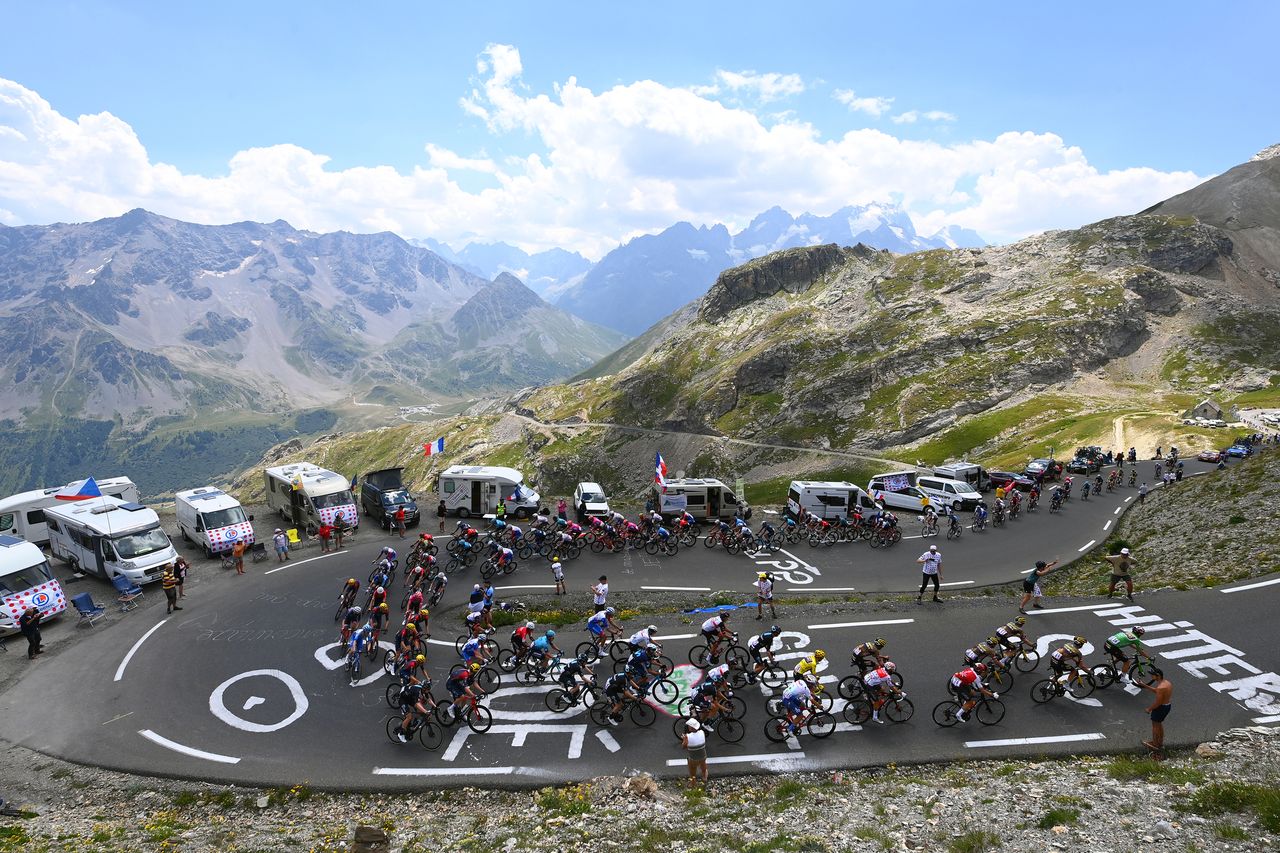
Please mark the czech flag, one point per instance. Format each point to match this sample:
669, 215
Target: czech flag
660, 472
80, 490
433, 448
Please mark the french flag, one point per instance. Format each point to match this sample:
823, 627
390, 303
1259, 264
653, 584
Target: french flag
660, 472
434, 448
80, 490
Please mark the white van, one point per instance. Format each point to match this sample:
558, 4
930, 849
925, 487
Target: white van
108, 537
22, 515
212, 519
307, 496
703, 498
971, 473
26, 580
469, 490
827, 500
897, 490
945, 492
589, 500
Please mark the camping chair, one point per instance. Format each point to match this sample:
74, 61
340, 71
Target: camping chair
129, 593
294, 541
259, 551
89, 610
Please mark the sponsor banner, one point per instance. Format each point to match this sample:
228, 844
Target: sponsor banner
225, 538
328, 514
48, 597
674, 503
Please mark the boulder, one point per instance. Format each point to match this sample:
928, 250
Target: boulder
642, 785
1209, 750
369, 839
1157, 294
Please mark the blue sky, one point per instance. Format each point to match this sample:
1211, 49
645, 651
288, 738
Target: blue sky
1179, 90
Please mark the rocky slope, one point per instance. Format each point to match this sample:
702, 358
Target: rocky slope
859, 348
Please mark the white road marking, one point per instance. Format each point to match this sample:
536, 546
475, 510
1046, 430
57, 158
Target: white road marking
675, 636
187, 750
956, 583
1262, 721
252, 702
1087, 546
218, 707
526, 586
861, 624
821, 589
136, 646
1126, 500
127, 713
442, 642
679, 588
1117, 512
1106, 526
1029, 741
1104, 609
518, 732
1252, 585
445, 771
847, 727
608, 741
767, 758
288, 563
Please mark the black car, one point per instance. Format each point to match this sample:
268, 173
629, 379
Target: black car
1043, 469
1085, 465
1007, 478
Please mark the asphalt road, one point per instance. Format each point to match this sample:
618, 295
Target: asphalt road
246, 686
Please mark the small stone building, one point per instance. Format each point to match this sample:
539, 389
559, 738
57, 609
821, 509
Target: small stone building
1208, 410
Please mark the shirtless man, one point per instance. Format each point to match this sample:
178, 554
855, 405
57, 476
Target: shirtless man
1159, 709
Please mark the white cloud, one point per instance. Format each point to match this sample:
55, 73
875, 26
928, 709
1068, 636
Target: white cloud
765, 87
612, 164
912, 116
874, 107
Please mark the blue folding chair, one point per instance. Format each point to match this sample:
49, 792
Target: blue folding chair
89, 610
128, 593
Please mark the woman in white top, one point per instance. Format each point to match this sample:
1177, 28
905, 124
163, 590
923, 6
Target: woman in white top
694, 742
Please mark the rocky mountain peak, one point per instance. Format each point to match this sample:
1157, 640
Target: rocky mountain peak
1268, 153
791, 270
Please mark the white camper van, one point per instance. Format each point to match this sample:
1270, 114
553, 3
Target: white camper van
469, 490
212, 519
703, 498
22, 515
307, 496
25, 581
973, 474
827, 500
108, 537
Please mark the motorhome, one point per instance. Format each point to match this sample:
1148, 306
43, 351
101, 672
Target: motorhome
307, 496
826, 499
703, 498
22, 515
973, 474
897, 490
474, 490
26, 581
107, 537
212, 519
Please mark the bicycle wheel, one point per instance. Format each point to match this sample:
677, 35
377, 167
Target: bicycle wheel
776, 729
460, 642
684, 707
710, 541
488, 679
944, 713
393, 695
700, 656
899, 710
678, 725
1026, 660
1000, 680
389, 662
599, 714
619, 650
490, 647
559, 701
738, 658
487, 570
642, 714
664, 690
730, 730
774, 676
430, 735
1104, 675
479, 719
1043, 691
850, 687
1081, 685
507, 660
857, 712
651, 548
393, 726
990, 711
597, 546
821, 724
588, 648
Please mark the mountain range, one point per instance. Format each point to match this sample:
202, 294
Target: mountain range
642, 281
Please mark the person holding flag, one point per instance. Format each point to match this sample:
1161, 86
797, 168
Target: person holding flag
660, 473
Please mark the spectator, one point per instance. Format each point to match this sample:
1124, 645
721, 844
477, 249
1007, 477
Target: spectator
557, 572
764, 595
694, 741
1161, 704
600, 592
325, 532
170, 585
282, 544
562, 509
1031, 586
339, 528
237, 551
441, 512
1121, 566
931, 562
1142, 493
29, 624
501, 509
180, 567
399, 519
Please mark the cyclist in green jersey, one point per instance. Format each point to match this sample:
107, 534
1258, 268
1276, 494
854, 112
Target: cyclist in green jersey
1117, 643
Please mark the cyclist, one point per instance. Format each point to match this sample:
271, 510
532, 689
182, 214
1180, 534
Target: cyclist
349, 591
414, 577
462, 686
617, 690
965, 684
879, 684
1117, 643
543, 648
410, 667
986, 651
475, 625
662, 535
980, 515
761, 647
350, 620
866, 656
1011, 637
407, 640
381, 576
715, 631
643, 638
796, 700
639, 665
576, 675
358, 643
413, 603
521, 639
506, 557
437, 587
377, 597
1066, 658
516, 535
600, 624
473, 652
411, 705
378, 619
387, 555
808, 667
929, 520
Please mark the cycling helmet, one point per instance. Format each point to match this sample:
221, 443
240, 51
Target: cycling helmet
381, 590
1020, 621
774, 629
475, 667
652, 629
421, 659
411, 627
762, 575
584, 658
992, 640
529, 625
724, 615
383, 607
881, 642
609, 611
652, 647
355, 610
440, 576
890, 666
819, 655
551, 635
1079, 641
980, 668
1138, 630
352, 580
475, 588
